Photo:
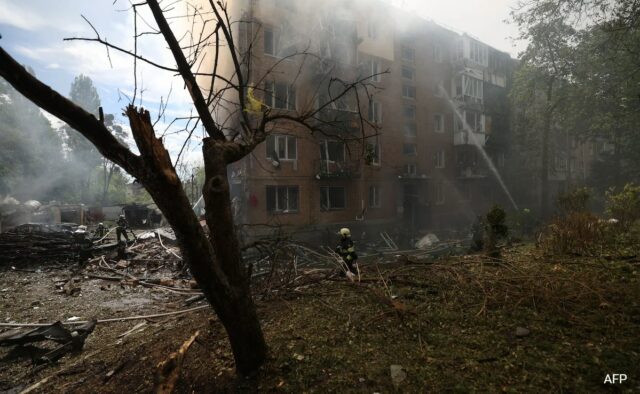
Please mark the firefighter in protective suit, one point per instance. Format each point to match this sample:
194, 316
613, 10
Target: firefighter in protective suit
347, 250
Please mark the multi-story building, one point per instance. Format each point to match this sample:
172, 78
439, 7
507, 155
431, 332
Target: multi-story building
436, 130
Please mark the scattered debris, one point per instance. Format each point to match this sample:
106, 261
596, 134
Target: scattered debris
168, 371
522, 332
69, 340
427, 241
398, 375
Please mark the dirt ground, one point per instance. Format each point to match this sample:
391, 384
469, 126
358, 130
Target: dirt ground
524, 323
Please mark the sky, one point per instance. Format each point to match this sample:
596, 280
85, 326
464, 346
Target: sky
33, 32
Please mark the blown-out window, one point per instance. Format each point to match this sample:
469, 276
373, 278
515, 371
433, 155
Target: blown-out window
332, 198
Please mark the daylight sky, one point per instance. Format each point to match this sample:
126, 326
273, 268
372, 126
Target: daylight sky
33, 32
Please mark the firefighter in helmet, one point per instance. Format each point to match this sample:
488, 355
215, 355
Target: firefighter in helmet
121, 229
347, 250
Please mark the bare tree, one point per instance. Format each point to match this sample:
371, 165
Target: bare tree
234, 122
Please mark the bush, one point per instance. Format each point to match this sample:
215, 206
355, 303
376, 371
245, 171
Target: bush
574, 200
579, 233
625, 205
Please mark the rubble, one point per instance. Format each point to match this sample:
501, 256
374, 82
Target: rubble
69, 340
42, 242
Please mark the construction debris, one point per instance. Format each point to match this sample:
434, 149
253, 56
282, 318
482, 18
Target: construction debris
42, 242
69, 340
168, 370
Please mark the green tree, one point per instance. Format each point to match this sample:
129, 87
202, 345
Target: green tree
84, 157
31, 158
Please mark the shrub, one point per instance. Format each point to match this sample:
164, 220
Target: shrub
625, 205
574, 200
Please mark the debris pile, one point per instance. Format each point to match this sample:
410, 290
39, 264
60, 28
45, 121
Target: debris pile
42, 242
68, 340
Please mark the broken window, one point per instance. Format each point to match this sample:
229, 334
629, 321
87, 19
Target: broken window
409, 91
474, 121
332, 151
410, 130
280, 95
408, 72
282, 147
375, 112
438, 123
270, 41
409, 149
332, 198
472, 87
408, 54
282, 199
373, 153
439, 158
374, 197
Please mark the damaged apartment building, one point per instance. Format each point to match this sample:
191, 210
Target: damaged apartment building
437, 98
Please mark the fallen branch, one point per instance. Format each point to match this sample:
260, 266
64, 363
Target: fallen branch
168, 371
111, 320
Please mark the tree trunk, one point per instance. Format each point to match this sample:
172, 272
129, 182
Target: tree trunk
544, 168
216, 264
242, 323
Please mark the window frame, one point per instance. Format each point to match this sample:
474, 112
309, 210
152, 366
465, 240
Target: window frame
408, 89
439, 159
411, 70
375, 65
374, 196
324, 149
327, 198
276, 145
271, 96
437, 129
376, 158
274, 40
406, 152
277, 189
375, 112
411, 50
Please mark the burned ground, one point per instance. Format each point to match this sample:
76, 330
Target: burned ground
523, 323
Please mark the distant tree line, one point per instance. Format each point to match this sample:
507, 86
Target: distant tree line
578, 80
40, 162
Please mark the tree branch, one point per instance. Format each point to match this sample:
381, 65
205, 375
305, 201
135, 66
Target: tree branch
64, 109
185, 71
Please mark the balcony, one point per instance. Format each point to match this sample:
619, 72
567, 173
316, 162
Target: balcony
468, 102
472, 172
469, 138
327, 169
334, 121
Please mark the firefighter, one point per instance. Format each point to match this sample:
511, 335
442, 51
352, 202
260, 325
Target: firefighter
347, 250
100, 231
122, 228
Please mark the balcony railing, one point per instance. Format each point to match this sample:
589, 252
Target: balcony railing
466, 138
472, 172
328, 169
